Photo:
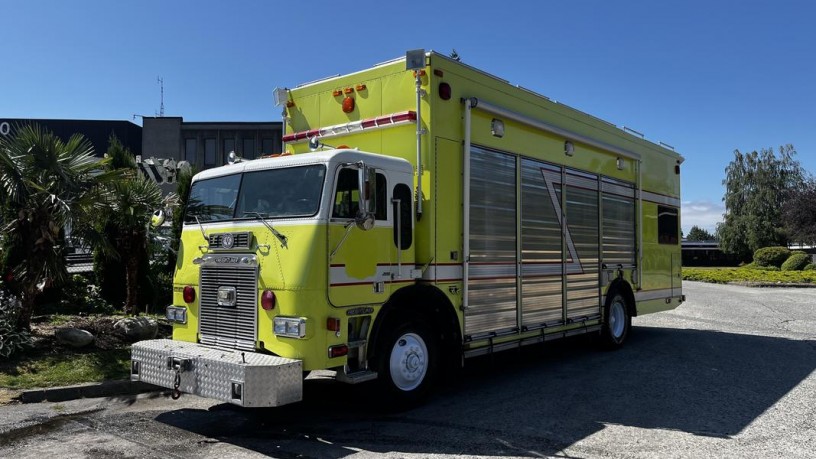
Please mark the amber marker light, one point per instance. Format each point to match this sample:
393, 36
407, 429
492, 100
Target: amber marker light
348, 104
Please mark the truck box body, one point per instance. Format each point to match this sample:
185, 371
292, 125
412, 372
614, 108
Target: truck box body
527, 220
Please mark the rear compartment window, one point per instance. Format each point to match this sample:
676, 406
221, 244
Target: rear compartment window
667, 225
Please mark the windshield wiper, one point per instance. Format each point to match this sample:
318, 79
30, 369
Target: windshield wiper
277, 233
201, 227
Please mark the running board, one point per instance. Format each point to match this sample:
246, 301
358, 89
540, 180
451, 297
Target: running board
356, 377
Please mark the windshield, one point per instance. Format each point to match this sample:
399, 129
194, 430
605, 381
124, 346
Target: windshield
271, 193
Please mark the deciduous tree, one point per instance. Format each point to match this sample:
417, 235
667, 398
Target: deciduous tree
757, 186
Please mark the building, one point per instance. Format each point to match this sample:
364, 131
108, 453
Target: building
206, 144
96, 131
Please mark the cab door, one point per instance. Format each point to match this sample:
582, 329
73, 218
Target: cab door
360, 261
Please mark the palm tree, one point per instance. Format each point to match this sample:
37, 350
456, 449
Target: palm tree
130, 204
47, 185
123, 225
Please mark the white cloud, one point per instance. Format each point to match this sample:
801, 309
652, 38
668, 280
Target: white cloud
705, 214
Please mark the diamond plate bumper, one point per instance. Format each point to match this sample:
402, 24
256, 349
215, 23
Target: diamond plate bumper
243, 378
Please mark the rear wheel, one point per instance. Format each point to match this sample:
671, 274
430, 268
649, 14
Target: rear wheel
407, 363
617, 322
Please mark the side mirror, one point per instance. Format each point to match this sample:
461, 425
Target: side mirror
158, 218
367, 189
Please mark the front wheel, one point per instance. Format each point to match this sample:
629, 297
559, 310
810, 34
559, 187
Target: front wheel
407, 363
617, 322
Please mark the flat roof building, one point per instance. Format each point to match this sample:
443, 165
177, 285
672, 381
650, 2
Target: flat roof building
96, 131
206, 144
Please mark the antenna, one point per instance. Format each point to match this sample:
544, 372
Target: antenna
160, 80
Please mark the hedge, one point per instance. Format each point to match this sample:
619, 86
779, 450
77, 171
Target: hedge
771, 256
796, 262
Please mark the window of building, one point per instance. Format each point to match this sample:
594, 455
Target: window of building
268, 147
209, 152
667, 225
190, 151
249, 149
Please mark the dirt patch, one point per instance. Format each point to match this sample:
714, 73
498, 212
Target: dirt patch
106, 336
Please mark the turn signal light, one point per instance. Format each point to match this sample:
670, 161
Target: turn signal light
268, 300
189, 294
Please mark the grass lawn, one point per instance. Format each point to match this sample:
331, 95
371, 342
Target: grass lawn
49, 364
65, 368
747, 275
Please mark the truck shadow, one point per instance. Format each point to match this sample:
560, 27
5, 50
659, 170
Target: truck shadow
536, 401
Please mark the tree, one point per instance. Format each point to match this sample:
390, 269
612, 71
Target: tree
131, 203
758, 184
799, 214
698, 234
123, 225
48, 185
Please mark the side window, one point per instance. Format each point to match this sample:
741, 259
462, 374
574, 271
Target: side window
402, 233
667, 225
347, 196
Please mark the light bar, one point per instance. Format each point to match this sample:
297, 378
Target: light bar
394, 119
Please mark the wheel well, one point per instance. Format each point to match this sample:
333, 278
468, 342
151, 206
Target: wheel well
619, 285
431, 306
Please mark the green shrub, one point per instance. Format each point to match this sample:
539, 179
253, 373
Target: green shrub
809, 267
12, 340
796, 262
771, 256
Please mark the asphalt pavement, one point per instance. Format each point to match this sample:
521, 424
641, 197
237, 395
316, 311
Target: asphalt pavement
730, 373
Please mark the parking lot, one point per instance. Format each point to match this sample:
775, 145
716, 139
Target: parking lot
728, 374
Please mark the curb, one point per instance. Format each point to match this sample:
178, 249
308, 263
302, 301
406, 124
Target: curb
90, 390
773, 284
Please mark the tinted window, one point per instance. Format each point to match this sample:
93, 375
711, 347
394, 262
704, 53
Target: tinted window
347, 196
667, 225
402, 232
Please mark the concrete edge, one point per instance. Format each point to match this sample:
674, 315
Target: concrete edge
773, 284
89, 390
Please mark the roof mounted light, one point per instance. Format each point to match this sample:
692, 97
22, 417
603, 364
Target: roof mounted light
281, 96
232, 158
415, 59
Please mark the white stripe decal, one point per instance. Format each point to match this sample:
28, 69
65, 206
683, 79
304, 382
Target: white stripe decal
385, 273
661, 199
658, 294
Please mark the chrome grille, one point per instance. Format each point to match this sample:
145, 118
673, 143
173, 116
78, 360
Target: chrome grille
241, 240
229, 326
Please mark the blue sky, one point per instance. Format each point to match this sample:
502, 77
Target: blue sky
707, 77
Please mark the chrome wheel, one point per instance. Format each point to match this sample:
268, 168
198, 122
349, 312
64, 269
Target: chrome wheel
408, 363
617, 318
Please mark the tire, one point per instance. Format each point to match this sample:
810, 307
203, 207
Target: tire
617, 321
407, 363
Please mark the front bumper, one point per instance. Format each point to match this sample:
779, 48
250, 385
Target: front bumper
244, 378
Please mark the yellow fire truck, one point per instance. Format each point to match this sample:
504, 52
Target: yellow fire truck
422, 212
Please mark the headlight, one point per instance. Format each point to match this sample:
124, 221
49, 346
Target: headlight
176, 314
293, 327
